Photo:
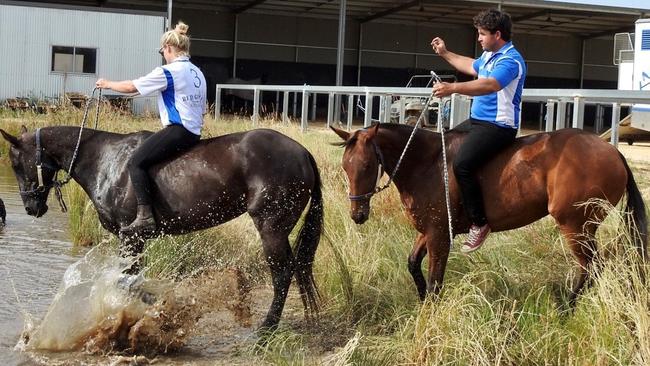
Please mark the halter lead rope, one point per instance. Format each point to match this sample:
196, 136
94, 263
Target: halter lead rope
446, 181
57, 184
81, 129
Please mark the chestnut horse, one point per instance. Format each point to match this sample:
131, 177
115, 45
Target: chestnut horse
541, 174
262, 172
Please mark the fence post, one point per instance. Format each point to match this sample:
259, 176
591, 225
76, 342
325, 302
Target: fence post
367, 118
256, 106
550, 115
305, 110
350, 110
560, 119
578, 113
285, 107
616, 117
314, 97
330, 108
388, 100
217, 104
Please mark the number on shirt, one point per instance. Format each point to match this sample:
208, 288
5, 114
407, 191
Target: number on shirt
197, 83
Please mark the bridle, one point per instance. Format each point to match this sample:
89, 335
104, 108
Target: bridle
380, 171
58, 184
380, 158
382, 163
42, 187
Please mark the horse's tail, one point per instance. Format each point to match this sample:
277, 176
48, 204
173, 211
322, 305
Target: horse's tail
636, 207
307, 243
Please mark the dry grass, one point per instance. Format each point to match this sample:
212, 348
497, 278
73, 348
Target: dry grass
506, 305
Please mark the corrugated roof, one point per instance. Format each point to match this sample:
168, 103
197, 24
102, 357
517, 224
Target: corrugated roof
530, 16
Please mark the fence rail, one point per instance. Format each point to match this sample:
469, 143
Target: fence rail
556, 101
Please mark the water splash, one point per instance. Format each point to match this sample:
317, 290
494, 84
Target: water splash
99, 309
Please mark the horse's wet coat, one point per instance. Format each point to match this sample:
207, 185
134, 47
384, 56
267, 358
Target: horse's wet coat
261, 172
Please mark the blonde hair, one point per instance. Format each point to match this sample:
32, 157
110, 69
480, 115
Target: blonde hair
178, 39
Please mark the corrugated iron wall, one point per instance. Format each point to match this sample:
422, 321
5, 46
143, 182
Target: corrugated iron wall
126, 44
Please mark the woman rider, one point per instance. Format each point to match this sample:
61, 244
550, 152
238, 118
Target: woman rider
181, 103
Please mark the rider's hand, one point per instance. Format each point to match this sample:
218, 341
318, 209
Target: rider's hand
439, 46
103, 84
443, 89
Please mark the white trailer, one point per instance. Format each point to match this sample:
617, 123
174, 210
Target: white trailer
641, 112
53, 50
632, 55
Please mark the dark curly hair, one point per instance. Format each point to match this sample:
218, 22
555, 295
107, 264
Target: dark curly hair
494, 20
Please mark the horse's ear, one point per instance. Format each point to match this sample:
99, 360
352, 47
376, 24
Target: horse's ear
23, 129
345, 135
12, 139
372, 131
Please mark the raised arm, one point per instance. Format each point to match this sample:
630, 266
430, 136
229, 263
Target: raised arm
460, 63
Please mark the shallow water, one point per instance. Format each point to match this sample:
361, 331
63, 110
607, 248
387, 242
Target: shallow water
34, 254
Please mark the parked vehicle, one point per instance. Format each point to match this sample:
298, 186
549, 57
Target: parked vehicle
413, 106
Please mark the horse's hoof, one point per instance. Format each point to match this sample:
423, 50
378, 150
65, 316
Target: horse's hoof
132, 284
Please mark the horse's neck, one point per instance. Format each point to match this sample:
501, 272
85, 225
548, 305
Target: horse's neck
424, 151
60, 144
392, 143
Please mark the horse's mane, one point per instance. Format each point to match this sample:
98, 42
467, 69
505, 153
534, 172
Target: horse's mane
409, 129
403, 129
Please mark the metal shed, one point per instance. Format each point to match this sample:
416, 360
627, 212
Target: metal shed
52, 51
379, 42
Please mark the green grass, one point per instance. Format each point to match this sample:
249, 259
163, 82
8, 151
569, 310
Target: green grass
504, 305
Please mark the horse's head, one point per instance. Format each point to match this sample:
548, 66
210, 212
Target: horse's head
26, 163
361, 162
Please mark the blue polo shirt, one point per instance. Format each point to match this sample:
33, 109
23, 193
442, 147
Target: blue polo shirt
509, 69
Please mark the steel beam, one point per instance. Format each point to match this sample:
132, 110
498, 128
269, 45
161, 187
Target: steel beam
250, 5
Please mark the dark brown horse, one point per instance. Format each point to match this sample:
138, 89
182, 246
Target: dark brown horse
541, 174
261, 172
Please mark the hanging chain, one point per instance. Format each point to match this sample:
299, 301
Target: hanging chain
446, 181
81, 128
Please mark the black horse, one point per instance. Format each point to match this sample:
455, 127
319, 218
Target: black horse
261, 172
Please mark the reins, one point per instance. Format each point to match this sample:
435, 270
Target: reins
380, 157
57, 184
391, 177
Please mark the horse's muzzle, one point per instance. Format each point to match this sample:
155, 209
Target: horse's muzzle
359, 217
37, 212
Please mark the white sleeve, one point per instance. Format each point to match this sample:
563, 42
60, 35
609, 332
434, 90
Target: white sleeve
153, 82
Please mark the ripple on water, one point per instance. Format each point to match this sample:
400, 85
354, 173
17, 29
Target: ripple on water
34, 254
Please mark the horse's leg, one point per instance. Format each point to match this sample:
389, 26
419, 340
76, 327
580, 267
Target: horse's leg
415, 265
583, 245
438, 249
280, 259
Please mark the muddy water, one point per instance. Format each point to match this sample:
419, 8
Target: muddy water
34, 254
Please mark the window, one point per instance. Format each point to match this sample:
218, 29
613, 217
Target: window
74, 59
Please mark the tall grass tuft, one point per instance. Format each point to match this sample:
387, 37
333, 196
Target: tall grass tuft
504, 305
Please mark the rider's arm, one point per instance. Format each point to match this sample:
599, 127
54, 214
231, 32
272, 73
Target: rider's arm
480, 86
125, 86
463, 64
505, 71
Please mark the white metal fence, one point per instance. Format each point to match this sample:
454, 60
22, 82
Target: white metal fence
556, 101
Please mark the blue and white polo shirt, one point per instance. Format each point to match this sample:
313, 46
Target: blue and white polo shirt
182, 99
509, 69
